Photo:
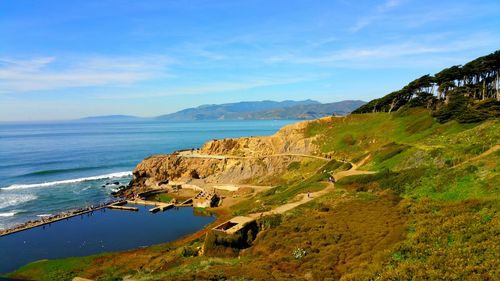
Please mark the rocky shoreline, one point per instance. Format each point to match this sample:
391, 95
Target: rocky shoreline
245, 160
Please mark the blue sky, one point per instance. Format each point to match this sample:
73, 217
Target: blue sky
68, 59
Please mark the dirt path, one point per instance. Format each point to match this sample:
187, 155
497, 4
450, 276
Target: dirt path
484, 154
222, 157
287, 207
304, 198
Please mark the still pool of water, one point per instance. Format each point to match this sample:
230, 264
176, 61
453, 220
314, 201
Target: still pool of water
101, 231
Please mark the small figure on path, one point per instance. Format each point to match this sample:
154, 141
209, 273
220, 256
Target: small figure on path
308, 194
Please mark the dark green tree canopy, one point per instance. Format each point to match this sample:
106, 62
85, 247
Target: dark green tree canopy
475, 82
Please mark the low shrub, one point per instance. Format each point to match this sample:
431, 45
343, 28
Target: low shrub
349, 140
293, 166
466, 110
299, 253
385, 179
388, 151
188, 252
451, 241
268, 222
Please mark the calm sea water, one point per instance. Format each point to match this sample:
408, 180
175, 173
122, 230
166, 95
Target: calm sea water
46, 168
102, 231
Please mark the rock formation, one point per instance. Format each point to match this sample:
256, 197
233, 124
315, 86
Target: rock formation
241, 160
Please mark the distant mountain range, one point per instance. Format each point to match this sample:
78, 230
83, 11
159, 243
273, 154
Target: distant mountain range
109, 118
251, 110
307, 109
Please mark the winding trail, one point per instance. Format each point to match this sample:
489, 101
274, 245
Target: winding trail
351, 172
304, 198
484, 154
222, 157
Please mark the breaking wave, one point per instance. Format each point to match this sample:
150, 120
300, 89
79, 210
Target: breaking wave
7, 200
52, 183
8, 214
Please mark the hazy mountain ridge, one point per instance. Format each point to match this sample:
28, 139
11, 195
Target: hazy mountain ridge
312, 111
248, 110
115, 117
307, 109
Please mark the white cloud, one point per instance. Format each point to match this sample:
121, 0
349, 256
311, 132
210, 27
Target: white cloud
49, 73
378, 13
430, 48
214, 88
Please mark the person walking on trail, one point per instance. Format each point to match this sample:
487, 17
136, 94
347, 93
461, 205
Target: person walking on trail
308, 194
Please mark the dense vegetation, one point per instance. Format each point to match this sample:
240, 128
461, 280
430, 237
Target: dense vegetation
467, 93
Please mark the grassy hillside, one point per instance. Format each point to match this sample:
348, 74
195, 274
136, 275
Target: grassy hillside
430, 211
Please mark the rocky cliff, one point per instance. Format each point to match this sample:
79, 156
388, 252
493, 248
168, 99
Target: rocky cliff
242, 160
289, 139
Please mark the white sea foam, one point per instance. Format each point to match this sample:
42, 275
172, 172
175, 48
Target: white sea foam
8, 214
52, 183
7, 200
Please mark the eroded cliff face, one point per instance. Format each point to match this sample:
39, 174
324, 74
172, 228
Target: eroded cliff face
289, 139
242, 160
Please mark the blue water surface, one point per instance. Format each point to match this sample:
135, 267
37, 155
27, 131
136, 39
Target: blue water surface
46, 168
100, 231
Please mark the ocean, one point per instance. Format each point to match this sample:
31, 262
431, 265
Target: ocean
50, 167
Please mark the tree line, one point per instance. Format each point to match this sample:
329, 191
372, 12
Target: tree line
471, 89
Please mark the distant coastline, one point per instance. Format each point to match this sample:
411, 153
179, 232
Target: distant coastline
247, 110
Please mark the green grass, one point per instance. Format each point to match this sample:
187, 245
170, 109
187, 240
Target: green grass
448, 184
62, 269
293, 166
455, 184
286, 192
163, 197
412, 132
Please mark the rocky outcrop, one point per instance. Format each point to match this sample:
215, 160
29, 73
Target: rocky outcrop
289, 139
235, 160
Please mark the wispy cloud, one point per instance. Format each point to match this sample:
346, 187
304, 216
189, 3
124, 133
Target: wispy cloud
378, 13
359, 54
393, 54
49, 73
215, 88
